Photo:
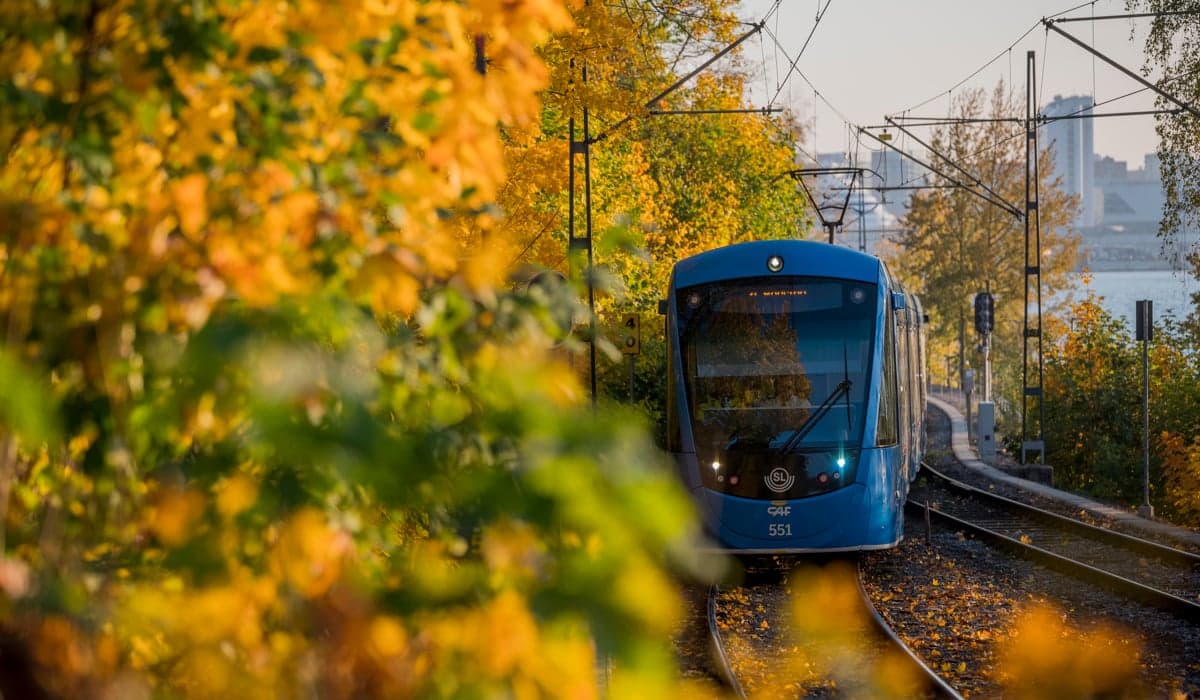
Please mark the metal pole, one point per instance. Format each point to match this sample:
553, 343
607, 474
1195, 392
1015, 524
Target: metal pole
987, 366
962, 354
631, 357
1032, 387
987, 350
591, 272
970, 424
1144, 320
1146, 510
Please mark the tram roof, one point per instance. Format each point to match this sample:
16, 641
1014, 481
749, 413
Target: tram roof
799, 258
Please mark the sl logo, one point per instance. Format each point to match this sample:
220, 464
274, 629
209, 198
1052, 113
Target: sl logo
779, 480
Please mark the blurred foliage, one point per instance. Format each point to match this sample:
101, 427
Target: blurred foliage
836, 633
1044, 656
276, 420
1094, 411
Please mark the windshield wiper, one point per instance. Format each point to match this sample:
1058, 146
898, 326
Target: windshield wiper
843, 387
846, 378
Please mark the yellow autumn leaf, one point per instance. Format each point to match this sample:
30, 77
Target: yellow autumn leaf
235, 494
173, 513
386, 637
189, 197
309, 553
385, 283
1047, 656
561, 385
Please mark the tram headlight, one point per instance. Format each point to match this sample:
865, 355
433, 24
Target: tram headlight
841, 462
775, 263
716, 466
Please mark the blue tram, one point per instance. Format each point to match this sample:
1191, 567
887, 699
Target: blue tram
796, 399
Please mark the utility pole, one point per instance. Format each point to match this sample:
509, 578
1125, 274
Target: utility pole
581, 246
1031, 360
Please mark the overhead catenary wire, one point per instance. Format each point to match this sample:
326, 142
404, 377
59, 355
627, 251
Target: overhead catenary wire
1080, 6
1041, 81
855, 142
796, 61
665, 12
762, 50
974, 73
984, 196
939, 121
1043, 121
1093, 55
1008, 51
816, 93
975, 178
1162, 93
1132, 15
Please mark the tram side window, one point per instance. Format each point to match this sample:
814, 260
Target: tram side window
887, 430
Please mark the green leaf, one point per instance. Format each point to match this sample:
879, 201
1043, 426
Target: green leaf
25, 405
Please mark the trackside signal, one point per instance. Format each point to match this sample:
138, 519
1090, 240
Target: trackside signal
631, 334
1145, 320
984, 307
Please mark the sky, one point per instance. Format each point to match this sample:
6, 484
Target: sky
871, 58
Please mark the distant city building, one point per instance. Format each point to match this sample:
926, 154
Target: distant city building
1126, 236
1119, 209
1128, 196
1071, 142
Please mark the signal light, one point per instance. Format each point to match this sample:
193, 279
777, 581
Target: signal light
984, 307
631, 331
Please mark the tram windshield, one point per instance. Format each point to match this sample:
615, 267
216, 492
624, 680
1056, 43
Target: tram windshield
776, 377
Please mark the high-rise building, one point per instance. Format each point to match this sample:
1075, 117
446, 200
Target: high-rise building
1072, 145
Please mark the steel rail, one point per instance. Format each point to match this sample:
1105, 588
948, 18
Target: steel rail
934, 682
1128, 588
1137, 544
717, 646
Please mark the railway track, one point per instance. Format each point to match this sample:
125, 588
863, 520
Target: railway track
867, 655
1151, 573
720, 657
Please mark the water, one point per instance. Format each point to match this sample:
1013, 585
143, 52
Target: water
1171, 292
